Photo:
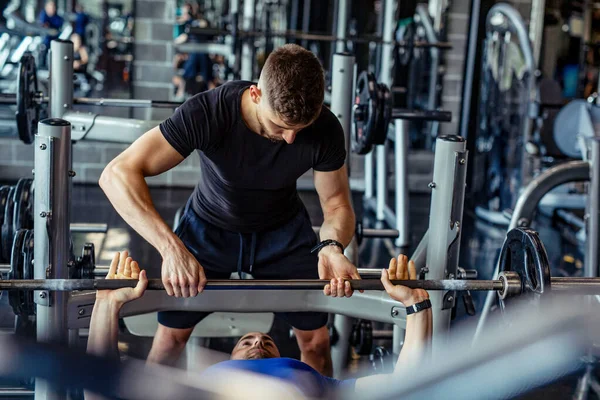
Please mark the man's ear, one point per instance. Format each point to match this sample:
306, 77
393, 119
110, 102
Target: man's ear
255, 94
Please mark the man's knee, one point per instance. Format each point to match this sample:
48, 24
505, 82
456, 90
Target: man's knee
316, 341
171, 339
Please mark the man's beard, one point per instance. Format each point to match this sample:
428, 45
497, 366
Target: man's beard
263, 132
257, 355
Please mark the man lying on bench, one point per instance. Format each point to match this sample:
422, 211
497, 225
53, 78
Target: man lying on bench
256, 352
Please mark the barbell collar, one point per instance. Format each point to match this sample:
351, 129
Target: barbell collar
511, 284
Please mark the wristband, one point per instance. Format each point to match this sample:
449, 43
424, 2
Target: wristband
328, 242
415, 308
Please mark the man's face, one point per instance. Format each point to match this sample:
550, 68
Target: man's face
255, 346
271, 125
50, 8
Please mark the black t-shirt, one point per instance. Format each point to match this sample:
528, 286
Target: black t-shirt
248, 183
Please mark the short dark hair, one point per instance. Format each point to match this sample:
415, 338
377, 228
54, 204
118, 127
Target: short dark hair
294, 83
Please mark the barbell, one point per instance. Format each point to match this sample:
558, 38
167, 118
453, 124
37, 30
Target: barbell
29, 100
317, 37
525, 272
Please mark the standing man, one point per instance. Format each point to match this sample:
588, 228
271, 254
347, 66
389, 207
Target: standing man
245, 215
48, 18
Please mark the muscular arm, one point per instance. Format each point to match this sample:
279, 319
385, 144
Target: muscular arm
104, 329
414, 349
84, 55
419, 326
123, 183
334, 194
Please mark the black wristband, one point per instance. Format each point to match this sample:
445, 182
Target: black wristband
328, 242
415, 308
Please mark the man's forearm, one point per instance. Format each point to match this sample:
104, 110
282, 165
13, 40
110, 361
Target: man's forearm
104, 329
130, 196
339, 225
417, 342
417, 339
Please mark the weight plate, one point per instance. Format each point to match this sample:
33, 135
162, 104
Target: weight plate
28, 111
366, 113
16, 271
385, 113
362, 337
7, 225
524, 253
4, 191
23, 209
84, 267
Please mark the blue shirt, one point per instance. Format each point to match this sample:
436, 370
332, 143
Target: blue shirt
81, 21
54, 22
302, 376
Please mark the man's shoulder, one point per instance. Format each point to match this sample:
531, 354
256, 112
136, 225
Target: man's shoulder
226, 93
325, 129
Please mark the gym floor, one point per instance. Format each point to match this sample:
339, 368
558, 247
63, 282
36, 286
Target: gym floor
89, 204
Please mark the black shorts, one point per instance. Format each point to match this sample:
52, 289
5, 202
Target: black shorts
281, 253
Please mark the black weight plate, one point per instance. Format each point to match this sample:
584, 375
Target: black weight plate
16, 271
366, 113
27, 303
7, 225
385, 114
84, 267
28, 111
362, 337
4, 191
23, 210
524, 253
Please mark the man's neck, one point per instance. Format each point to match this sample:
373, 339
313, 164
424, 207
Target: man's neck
248, 109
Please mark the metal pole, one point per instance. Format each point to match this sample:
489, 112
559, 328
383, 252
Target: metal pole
434, 53
580, 285
402, 191
387, 56
342, 24
247, 48
381, 181
306, 20
61, 77
593, 222
467, 90
536, 28
68, 285
342, 89
445, 222
385, 76
126, 103
52, 207
368, 177
90, 127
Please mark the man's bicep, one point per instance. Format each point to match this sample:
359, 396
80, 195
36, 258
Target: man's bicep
151, 154
333, 188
